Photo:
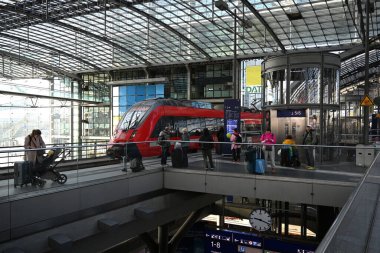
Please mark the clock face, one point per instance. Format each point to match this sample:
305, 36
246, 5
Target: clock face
260, 220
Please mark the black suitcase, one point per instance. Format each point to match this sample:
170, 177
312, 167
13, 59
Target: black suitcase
22, 173
285, 157
177, 158
137, 165
251, 155
295, 158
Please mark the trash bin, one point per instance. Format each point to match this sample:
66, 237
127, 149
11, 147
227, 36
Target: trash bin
369, 155
364, 155
359, 155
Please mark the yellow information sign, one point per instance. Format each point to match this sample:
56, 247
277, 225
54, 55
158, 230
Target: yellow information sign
366, 101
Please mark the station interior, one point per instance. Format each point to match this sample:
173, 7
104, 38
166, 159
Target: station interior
74, 69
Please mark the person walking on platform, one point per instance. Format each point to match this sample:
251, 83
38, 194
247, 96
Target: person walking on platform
33, 141
206, 147
236, 145
268, 139
164, 142
185, 146
309, 138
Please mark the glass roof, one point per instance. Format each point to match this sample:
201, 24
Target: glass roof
66, 37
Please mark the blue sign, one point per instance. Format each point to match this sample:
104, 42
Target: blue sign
227, 241
232, 111
291, 113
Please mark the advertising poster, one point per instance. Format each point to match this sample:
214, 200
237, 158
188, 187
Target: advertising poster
231, 120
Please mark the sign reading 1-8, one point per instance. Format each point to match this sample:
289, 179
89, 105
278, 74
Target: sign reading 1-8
219, 242
215, 244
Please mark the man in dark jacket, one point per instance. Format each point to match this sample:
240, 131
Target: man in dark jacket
309, 138
164, 142
206, 143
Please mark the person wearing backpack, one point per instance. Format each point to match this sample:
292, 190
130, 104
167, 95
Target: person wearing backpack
268, 139
206, 143
164, 142
236, 145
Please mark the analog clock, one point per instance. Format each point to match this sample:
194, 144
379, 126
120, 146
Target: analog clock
260, 220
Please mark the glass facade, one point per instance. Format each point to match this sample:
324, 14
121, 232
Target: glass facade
211, 81
297, 82
126, 96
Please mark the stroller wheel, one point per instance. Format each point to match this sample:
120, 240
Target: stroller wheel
62, 179
41, 183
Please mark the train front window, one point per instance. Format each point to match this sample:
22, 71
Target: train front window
133, 117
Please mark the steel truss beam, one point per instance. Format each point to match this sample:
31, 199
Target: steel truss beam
163, 24
50, 48
43, 18
264, 23
41, 65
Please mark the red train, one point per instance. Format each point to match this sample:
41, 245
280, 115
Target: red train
142, 123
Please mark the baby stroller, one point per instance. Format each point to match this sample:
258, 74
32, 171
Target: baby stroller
45, 169
289, 156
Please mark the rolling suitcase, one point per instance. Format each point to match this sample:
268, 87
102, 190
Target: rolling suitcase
177, 158
260, 163
22, 173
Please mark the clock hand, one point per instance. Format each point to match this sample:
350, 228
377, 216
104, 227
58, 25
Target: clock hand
262, 221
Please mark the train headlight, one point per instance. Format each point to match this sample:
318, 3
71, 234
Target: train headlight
132, 135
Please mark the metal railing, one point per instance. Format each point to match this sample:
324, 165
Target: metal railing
87, 150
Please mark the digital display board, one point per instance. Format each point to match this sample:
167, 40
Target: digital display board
225, 241
232, 110
291, 113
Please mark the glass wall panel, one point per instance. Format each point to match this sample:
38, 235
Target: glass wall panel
211, 81
330, 86
275, 87
304, 87
126, 96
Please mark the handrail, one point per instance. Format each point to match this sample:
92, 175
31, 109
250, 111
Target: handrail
338, 221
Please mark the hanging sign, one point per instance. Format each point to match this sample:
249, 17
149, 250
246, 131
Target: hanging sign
366, 101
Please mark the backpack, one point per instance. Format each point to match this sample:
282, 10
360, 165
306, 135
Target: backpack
238, 139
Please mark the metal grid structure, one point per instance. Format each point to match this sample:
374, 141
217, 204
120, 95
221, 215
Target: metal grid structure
67, 37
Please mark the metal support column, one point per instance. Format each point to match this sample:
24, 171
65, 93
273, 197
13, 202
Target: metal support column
163, 235
366, 85
322, 114
303, 220
286, 218
221, 216
188, 69
234, 65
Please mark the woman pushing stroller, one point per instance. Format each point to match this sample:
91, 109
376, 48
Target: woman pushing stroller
34, 141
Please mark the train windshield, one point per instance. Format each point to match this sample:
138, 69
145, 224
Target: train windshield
133, 117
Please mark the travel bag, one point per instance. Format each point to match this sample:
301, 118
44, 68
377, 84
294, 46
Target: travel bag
178, 158
22, 173
250, 158
260, 164
136, 164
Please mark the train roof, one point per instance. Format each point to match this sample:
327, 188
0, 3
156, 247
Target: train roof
168, 101
184, 103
